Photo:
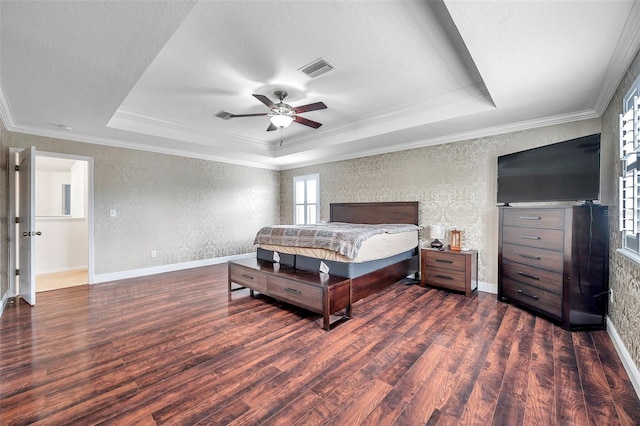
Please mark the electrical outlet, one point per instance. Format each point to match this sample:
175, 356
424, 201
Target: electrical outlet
153, 253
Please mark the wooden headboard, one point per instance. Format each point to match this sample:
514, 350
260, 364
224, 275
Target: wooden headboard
375, 213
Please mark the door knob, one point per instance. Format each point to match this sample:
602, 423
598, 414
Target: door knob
29, 234
26, 234
38, 233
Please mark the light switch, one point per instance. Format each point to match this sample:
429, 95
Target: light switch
113, 213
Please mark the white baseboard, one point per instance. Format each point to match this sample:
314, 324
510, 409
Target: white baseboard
625, 357
487, 287
113, 276
67, 269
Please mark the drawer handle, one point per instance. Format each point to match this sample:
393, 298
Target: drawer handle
444, 261
529, 237
533, 296
533, 277
249, 277
444, 277
292, 290
528, 256
530, 217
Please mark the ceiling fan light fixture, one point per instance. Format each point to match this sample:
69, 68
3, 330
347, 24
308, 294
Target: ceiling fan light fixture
281, 120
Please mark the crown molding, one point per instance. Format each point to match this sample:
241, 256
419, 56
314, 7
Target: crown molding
142, 118
458, 137
624, 53
5, 115
389, 115
138, 147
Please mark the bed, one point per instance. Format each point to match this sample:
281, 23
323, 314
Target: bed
305, 281
382, 260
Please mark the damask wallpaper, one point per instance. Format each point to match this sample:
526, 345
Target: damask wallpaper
624, 276
185, 209
455, 184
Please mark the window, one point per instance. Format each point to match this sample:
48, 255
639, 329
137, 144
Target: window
306, 202
629, 190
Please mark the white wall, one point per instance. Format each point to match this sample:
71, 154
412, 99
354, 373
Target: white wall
62, 246
49, 192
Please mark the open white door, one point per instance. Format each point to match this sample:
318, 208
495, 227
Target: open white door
26, 224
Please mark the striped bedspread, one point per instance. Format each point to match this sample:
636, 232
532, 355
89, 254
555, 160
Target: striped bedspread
343, 238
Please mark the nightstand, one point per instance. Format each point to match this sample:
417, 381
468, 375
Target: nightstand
453, 270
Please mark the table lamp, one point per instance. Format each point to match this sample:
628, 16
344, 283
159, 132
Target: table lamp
436, 232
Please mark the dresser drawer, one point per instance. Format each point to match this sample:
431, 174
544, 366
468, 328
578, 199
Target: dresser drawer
534, 218
533, 297
248, 277
546, 280
540, 258
298, 293
550, 239
453, 280
436, 259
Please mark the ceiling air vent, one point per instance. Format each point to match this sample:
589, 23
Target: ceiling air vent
224, 115
317, 67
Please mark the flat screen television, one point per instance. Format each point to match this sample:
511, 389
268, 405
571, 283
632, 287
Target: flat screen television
563, 171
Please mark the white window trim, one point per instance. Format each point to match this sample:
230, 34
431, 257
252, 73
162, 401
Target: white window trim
629, 137
306, 178
629, 254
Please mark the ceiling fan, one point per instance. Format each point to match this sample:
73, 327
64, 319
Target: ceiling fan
281, 114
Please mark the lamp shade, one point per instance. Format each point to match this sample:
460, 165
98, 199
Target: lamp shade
436, 231
280, 120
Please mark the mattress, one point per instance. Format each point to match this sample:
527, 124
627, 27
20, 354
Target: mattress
379, 246
343, 238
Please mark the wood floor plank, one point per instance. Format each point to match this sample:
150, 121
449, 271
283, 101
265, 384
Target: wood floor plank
570, 402
434, 390
513, 392
483, 399
359, 406
476, 342
598, 398
540, 406
176, 348
294, 410
619, 384
404, 389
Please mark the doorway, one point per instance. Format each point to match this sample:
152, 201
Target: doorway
61, 215
62, 219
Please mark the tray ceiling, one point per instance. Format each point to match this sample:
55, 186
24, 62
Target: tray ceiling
152, 75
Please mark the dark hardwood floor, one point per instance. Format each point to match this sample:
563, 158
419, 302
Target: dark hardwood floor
174, 349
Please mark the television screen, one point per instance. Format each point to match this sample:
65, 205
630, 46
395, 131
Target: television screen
563, 171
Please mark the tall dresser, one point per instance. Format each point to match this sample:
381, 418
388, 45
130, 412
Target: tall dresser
554, 262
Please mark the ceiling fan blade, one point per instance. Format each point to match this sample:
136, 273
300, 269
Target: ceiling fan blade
247, 115
307, 122
265, 100
271, 127
310, 107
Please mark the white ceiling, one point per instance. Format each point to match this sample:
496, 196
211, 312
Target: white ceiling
152, 75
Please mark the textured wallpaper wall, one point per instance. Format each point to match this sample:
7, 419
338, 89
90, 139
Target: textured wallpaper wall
455, 184
624, 276
185, 209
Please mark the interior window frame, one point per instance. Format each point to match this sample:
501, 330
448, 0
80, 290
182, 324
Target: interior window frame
306, 204
629, 181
